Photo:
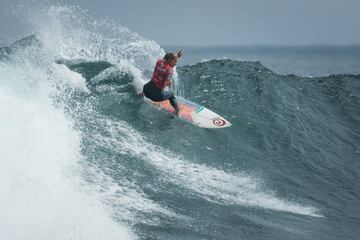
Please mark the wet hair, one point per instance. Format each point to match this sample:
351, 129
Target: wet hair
170, 56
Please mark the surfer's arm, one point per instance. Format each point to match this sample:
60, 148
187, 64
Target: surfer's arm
167, 83
168, 76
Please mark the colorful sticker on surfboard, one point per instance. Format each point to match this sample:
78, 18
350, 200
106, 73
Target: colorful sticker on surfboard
218, 121
199, 109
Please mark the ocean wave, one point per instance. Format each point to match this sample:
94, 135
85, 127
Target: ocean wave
85, 150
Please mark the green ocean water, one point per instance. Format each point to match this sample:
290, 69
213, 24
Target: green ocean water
281, 171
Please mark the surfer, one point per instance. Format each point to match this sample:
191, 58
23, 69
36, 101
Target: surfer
163, 71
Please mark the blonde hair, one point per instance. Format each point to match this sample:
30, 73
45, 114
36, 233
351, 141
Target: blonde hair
170, 56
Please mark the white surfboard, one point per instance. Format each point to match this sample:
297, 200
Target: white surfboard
193, 113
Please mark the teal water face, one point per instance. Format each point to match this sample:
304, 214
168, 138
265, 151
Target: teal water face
280, 171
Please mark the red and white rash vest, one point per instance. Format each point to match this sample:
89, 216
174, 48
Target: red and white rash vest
162, 74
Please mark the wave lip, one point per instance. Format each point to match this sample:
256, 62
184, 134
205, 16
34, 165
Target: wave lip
42, 193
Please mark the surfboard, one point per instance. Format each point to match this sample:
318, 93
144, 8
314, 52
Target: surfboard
193, 113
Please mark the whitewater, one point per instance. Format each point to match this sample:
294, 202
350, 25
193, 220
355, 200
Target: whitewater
84, 157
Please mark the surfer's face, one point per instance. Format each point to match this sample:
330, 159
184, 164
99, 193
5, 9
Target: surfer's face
173, 62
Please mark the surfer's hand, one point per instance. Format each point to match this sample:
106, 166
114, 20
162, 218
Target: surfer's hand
179, 54
167, 83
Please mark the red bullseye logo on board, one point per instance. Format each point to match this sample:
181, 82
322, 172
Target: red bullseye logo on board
219, 122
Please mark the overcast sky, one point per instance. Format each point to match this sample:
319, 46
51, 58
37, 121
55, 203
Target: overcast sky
225, 22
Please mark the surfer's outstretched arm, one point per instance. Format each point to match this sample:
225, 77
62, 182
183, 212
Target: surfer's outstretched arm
180, 53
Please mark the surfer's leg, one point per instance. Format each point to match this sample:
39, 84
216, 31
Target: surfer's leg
174, 104
172, 100
151, 92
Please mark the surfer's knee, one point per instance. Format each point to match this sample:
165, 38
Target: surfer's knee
167, 95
